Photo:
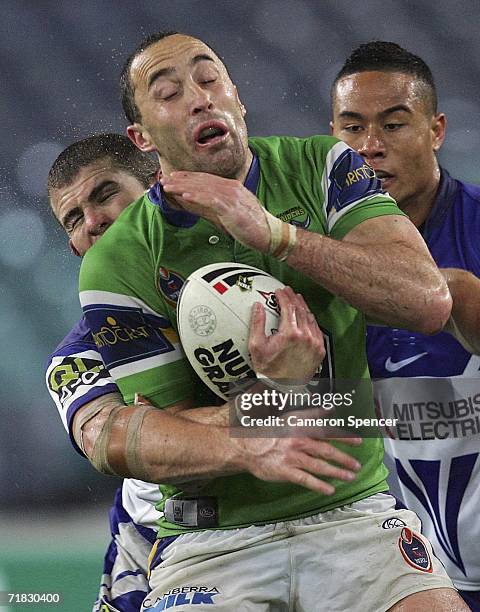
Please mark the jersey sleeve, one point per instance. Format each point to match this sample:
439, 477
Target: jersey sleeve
76, 375
130, 325
352, 192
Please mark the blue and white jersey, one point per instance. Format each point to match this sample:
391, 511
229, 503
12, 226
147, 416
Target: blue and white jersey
436, 442
76, 375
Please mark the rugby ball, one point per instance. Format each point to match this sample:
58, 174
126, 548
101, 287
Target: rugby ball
213, 316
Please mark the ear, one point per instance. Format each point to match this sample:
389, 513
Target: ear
439, 126
73, 249
239, 102
140, 138
332, 127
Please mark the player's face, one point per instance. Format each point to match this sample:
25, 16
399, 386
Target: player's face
385, 117
190, 110
90, 204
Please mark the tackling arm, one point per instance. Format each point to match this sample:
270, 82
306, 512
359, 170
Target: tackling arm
167, 447
464, 322
383, 268
162, 445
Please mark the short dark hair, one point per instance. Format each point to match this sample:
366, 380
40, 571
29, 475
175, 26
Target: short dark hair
118, 149
383, 56
127, 91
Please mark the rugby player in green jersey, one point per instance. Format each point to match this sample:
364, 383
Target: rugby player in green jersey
262, 499
90, 184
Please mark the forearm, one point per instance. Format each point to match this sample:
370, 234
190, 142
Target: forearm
464, 322
175, 449
171, 445
188, 446
208, 415
389, 282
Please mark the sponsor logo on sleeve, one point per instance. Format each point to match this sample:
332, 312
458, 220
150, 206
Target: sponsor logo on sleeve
72, 373
350, 179
125, 334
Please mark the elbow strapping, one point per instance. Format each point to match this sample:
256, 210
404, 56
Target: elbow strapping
115, 445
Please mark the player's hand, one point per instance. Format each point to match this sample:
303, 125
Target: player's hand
296, 351
224, 202
301, 461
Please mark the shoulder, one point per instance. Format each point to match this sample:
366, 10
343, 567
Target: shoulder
470, 193
78, 340
124, 241
277, 147
300, 158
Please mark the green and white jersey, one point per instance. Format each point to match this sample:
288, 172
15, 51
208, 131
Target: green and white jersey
130, 280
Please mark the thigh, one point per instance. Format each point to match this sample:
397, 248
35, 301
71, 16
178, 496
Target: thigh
367, 560
242, 569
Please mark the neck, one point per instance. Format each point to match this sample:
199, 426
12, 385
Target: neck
419, 205
241, 175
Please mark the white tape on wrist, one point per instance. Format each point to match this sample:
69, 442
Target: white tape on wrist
283, 237
282, 388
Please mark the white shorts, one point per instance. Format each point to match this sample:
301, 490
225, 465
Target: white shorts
358, 558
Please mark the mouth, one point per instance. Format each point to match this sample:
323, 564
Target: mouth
210, 133
383, 175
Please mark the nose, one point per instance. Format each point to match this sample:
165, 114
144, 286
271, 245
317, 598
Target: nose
372, 145
97, 221
200, 99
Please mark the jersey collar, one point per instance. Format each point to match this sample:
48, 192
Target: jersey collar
182, 218
445, 197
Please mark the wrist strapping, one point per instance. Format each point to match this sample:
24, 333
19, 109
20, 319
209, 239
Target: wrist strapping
282, 387
283, 237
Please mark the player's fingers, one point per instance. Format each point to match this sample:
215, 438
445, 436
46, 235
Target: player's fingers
257, 335
309, 481
320, 467
348, 441
330, 453
301, 316
288, 319
312, 321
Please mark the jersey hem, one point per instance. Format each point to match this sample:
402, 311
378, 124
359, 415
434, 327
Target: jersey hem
382, 487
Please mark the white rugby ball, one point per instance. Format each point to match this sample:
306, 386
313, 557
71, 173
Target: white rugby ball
213, 315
